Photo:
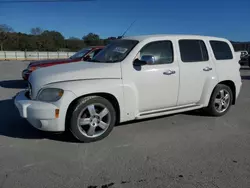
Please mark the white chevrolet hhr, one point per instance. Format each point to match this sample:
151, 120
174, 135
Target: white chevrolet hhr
133, 78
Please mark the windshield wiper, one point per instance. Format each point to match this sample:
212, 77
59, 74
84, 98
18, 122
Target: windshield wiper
93, 60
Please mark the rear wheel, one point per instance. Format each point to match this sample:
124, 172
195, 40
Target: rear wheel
220, 101
92, 119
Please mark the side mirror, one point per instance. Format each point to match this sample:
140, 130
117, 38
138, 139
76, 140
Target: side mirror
145, 60
138, 62
86, 58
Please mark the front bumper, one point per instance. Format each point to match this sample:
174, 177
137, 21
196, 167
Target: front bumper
39, 114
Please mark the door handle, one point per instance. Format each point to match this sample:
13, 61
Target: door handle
207, 69
169, 72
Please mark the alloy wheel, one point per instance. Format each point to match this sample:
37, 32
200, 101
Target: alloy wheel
222, 101
94, 120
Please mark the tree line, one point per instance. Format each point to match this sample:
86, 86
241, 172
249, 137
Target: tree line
45, 40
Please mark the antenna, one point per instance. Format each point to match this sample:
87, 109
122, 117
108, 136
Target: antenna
127, 29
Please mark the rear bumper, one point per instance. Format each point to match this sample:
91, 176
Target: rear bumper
42, 115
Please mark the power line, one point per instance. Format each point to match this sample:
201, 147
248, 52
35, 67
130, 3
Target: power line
42, 1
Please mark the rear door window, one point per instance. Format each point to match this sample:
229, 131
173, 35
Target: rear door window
221, 50
193, 51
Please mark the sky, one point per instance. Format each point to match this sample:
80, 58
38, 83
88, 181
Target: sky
229, 19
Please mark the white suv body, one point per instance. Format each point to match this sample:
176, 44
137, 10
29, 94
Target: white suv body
133, 78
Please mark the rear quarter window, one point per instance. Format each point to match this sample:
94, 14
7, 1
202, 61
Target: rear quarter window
221, 50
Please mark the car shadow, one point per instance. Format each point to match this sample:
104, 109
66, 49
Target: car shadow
143, 120
16, 127
199, 112
245, 77
14, 84
12, 125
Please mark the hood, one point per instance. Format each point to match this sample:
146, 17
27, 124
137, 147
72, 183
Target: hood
51, 61
72, 72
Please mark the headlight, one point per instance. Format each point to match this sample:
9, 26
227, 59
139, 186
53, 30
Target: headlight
50, 94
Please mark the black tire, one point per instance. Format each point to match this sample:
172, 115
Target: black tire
241, 63
211, 109
77, 109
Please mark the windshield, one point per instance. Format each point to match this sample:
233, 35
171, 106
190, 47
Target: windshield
80, 54
115, 51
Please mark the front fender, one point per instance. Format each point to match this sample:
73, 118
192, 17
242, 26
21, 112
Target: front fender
87, 87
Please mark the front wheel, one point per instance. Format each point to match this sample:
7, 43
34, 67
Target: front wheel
92, 119
220, 101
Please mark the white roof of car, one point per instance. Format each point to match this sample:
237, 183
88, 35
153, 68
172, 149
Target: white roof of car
143, 37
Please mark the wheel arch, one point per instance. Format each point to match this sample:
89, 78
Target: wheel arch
110, 97
231, 85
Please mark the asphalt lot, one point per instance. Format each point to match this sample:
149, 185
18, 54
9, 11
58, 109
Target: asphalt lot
185, 150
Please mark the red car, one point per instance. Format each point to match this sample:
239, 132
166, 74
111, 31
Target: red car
83, 55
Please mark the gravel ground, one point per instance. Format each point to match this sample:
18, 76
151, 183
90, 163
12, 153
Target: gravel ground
185, 150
